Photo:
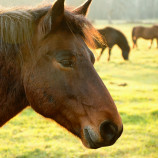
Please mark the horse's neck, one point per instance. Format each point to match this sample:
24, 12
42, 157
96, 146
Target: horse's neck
12, 94
122, 43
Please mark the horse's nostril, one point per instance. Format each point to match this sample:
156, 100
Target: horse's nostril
108, 131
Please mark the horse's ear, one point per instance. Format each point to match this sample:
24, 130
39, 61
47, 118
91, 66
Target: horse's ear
52, 19
83, 9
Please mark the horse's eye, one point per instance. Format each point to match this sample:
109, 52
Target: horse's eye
67, 63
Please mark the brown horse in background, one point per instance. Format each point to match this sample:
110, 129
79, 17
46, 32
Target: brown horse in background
146, 33
111, 37
45, 63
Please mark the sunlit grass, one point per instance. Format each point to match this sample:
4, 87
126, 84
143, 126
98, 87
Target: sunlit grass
29, 135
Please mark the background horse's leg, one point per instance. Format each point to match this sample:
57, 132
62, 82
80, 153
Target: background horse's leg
100, 54
151, 43
135, 43
109, 54
134, 39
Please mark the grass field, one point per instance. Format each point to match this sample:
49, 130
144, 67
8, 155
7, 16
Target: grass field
29, 135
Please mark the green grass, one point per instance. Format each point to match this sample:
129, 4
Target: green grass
29, 135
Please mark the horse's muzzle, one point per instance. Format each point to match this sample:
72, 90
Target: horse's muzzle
107, 136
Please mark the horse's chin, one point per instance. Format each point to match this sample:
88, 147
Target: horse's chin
89, 143
93, 140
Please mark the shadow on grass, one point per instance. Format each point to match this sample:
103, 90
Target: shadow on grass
93, 155
37, 153
133, 119
154, 114
119, 153
125, 152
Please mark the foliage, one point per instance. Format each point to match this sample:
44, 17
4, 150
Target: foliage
105, 9
29, 135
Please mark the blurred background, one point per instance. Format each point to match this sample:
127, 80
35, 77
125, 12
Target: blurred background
133, 85
110, 10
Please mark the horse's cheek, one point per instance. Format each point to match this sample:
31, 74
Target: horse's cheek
40, 95
40, 102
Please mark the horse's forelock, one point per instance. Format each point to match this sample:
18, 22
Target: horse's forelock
78, 24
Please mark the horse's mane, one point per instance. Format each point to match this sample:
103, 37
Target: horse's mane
17, 25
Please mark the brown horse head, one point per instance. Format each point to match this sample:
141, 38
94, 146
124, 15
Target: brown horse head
60, 80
